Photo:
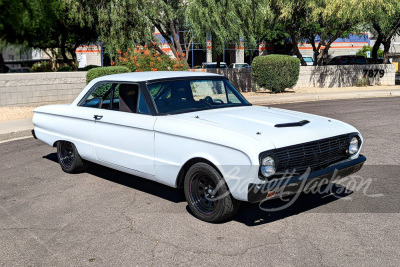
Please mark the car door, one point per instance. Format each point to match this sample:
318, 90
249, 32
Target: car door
80, 125
124, 133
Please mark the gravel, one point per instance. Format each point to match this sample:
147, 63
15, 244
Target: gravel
15, 113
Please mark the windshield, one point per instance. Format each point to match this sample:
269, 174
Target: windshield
191, 95
308, 59
214, 66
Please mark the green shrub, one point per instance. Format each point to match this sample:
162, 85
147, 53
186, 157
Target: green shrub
276, 72
103, 71
43, 66
365, 49
362, 82
67, 68
88, 67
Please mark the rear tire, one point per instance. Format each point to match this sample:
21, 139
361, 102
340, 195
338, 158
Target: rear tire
208, 195
69, 158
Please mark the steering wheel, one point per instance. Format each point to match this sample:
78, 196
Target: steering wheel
208, 100
219, 101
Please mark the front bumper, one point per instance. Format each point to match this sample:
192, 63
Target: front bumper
292, 185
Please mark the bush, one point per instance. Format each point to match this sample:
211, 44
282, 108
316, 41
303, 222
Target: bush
143, 58
43, 66
103, 71
361, 82
365, 49
67, 68
276, 72
88, 67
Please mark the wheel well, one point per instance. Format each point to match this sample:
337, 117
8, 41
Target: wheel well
55, 143
186, 167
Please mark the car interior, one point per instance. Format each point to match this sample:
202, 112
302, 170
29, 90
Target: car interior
125, 98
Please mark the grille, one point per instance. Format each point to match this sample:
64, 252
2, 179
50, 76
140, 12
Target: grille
316, 155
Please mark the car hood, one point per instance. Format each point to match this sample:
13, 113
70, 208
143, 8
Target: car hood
259, 123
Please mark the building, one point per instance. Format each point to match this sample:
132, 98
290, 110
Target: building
234, 53
16, 57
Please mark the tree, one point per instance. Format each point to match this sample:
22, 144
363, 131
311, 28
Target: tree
385, 24
14, 22
363, 51
309, 21
227, 21
44, 24
123, 23
381, 17
56, 32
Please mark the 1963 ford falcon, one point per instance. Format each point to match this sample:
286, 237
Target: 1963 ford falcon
196, 131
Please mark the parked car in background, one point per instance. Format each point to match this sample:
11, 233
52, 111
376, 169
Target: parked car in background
379, 60
239, 65
19, 70
213, 65
308, 60
348, 60
195, 130
397, 78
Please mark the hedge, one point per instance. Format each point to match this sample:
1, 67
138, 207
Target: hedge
103, 71
88, 67
276, 72
43, 66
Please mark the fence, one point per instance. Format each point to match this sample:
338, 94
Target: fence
34, 89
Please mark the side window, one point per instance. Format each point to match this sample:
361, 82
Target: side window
100, 97
128, 98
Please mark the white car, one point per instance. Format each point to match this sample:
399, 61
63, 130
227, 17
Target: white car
213, 65
239, 65
195, 130
309, 60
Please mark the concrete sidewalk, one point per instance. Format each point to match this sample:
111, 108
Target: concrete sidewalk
291, 97
22, 128
15, 129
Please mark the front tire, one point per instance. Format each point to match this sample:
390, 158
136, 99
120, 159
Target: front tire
69, 158
208, 195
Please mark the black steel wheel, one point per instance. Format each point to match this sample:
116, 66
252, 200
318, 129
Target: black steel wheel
208, 195
203, 194
69, 158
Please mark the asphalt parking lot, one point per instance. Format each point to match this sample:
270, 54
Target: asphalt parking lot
107, 218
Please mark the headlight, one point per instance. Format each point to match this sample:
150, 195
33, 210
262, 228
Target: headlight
354, 146
268, 166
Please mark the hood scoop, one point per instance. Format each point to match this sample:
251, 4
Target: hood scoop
292, 124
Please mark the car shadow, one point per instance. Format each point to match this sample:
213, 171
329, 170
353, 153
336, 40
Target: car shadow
151, 187
248, 214
254, 214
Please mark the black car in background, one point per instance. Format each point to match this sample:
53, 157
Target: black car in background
348, 60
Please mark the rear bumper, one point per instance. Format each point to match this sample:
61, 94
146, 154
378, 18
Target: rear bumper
292, 185
33, 134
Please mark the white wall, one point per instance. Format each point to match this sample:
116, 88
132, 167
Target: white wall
34, 89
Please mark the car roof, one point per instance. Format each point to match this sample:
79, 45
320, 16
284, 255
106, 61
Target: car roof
213, 63
348, 56
154, 75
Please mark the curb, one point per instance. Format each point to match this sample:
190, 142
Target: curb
15, 134
322, 97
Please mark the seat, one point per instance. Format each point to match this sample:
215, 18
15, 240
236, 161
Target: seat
128, 97
182, 96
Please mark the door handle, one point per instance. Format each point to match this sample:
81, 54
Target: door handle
97, 117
